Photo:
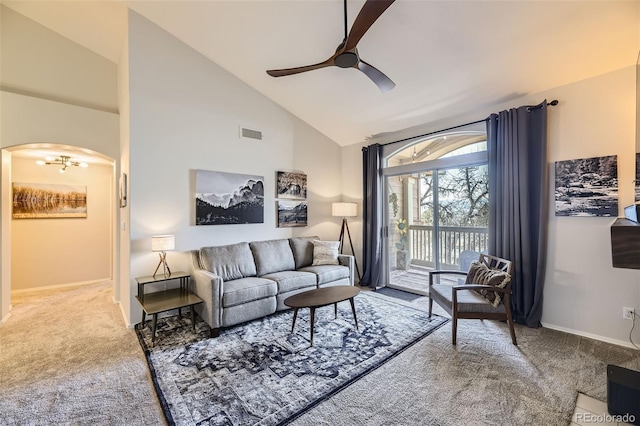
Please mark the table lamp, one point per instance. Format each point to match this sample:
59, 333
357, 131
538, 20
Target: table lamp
162, 243
345, 210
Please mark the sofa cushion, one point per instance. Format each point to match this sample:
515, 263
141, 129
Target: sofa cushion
230, 262
325, 252
479, 273
327, 273
302, 248
292, 280
272, 256
245, 290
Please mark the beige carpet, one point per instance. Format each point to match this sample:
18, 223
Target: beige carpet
66, 358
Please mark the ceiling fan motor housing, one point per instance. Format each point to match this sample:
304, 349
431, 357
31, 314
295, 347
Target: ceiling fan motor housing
347, 60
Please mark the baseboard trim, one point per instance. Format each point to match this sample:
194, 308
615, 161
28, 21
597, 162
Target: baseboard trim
5, 319
590, 336
124, 317
58, 286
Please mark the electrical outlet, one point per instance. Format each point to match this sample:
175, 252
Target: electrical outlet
628, 313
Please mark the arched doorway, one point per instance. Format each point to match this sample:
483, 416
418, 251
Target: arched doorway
56, 251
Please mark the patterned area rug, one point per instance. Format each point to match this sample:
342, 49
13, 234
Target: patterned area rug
261, 373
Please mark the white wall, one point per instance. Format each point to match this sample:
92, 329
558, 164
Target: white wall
53, 90
5, 236
584, 294
39, 62
123, 239
50, 252
57, 123
184, 115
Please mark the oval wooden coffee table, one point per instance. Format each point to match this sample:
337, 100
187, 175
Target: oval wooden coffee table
317, 298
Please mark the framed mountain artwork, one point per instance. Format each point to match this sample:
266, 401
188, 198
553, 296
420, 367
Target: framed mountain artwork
228, 198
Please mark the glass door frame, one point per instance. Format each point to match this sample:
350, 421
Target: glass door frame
464, 160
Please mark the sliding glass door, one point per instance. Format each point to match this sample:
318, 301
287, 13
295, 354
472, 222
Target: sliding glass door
436, 215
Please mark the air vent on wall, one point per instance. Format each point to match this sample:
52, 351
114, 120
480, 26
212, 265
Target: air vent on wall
246, 133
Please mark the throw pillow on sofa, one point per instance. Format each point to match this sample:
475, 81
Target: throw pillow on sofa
479, 273
325, 252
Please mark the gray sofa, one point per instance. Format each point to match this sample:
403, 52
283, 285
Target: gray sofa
244, 281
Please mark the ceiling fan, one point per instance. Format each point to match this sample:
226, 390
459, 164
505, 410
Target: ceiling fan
346, 55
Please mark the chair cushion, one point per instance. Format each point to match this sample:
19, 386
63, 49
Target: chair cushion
328, 273
468, 301
272, 256
325, 252
292, 280
244, 290
479, 273
230, 262
302, 248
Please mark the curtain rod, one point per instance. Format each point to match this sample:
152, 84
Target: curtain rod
529, 108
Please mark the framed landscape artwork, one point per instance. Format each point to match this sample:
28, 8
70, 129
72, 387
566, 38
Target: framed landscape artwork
587, 187
47, 201
292, 213
228, 198
291, 185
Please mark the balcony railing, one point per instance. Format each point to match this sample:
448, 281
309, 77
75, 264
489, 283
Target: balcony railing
452, 240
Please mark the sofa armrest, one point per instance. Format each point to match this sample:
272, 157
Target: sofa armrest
348, 260
208, 287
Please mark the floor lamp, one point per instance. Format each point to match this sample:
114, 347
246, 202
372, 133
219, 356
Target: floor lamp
345, 210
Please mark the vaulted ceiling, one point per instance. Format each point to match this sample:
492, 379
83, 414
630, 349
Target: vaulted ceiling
447, 58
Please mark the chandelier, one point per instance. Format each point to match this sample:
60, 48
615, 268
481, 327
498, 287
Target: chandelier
62, 160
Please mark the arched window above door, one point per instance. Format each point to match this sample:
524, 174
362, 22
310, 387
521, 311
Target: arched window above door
441, 146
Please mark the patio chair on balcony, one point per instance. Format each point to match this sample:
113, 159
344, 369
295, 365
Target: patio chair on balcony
484, 295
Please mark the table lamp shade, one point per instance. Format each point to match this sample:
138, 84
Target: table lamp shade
344, 209
163, 242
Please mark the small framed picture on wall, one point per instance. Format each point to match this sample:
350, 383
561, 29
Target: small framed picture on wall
291, 185
123, 190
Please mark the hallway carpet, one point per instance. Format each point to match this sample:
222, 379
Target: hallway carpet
67, 358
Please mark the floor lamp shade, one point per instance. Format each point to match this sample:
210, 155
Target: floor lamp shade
344, 209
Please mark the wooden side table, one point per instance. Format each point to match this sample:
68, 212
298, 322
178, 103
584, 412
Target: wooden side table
166, 300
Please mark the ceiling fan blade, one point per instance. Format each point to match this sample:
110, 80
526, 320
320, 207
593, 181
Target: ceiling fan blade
297, 70
383, 82
369, 13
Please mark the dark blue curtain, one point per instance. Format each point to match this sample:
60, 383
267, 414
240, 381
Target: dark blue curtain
518, 206
372, 216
